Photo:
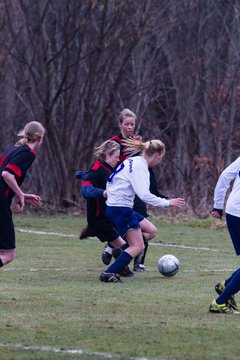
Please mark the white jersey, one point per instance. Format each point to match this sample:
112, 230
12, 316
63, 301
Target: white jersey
232, 172
130, 178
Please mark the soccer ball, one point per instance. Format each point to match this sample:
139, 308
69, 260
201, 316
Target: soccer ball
168, 265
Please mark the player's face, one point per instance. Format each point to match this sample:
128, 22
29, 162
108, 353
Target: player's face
127, 126
113, 159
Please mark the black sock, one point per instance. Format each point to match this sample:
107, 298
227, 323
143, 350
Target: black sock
144, 252
1, 263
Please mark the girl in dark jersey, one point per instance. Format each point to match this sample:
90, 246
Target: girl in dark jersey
14, 164
93, 189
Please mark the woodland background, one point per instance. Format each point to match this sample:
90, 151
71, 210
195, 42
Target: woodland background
75, 64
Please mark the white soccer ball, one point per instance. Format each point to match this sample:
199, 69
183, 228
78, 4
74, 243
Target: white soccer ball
168, 265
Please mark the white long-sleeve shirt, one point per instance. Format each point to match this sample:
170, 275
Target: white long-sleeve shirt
232, 172
130, 178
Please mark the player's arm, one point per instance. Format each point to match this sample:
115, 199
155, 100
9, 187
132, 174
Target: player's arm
83, 175
21, 197
88, 191
141, 182
12, 183
223, 184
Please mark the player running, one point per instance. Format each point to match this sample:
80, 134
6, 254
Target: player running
130, 178
14, 164
93, 190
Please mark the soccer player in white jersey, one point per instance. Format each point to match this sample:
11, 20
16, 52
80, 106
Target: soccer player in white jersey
225, 302
131, 178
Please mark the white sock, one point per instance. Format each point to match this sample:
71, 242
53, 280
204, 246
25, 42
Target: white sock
109, 250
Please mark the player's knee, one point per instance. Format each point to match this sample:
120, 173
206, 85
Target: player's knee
137, 248
153, 232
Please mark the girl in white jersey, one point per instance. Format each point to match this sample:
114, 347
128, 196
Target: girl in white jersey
131, 178
225, 303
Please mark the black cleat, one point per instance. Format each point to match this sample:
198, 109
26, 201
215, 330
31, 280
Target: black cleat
109, 277
126, 272
139, 268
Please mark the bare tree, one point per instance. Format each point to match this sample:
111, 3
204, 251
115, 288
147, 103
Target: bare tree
73, 65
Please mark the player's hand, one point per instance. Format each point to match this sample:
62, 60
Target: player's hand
19, 203
32, 199
177, 202
217, 213
16, 207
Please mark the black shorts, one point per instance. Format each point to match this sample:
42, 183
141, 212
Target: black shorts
140, 207
103, 229
7, 233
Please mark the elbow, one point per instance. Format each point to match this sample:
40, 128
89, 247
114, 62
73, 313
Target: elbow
5, 175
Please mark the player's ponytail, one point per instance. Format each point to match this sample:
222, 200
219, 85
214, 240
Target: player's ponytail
151, 147
32, 131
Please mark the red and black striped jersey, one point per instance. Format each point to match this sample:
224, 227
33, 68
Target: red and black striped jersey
16, 160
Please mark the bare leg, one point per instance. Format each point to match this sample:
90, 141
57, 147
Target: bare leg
7, 256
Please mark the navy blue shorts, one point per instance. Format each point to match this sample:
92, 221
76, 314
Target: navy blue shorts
124, 218
233, 225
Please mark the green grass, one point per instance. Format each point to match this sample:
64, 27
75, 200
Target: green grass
51, 297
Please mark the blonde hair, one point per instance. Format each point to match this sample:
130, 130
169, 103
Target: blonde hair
106, 148
32, 131
151, 147
126, 113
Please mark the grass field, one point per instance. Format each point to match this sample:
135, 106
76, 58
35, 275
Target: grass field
54, 307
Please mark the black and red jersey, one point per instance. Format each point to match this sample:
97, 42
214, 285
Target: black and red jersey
93, 188
16, 160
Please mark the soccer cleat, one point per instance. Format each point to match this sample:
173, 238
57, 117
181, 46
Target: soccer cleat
139, 267
109, 277
126, 272
231, 302
220, 308
106, 256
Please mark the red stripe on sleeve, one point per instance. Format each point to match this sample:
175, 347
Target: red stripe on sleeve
15, 169
87, 183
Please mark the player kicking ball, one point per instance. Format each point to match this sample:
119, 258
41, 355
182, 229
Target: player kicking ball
129, 179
